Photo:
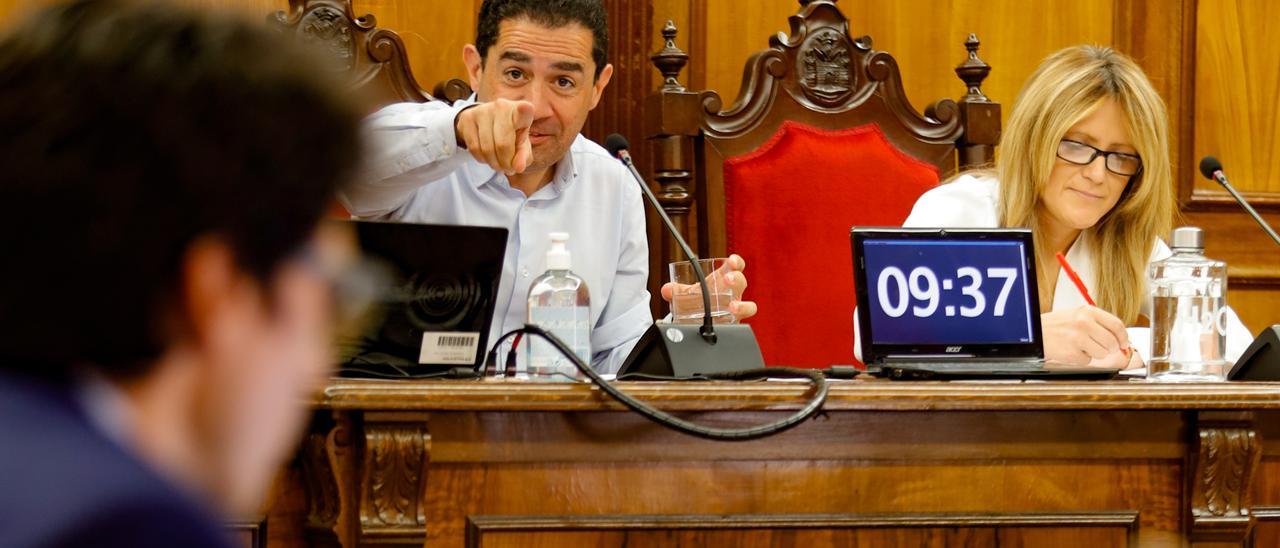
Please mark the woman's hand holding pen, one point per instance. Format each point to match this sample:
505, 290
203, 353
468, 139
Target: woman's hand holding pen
1088, 332
1087, 335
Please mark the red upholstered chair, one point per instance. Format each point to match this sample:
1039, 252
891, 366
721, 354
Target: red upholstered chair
820, 139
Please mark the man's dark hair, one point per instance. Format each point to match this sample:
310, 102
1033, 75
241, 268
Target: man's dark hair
548, 13
128, 130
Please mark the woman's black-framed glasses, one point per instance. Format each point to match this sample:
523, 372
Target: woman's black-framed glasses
1120, 163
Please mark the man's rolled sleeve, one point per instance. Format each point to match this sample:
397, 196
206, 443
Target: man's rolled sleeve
411, 144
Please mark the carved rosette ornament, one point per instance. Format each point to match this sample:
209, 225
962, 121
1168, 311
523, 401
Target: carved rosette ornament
1226, 453
395, 464
328, 28
826, 67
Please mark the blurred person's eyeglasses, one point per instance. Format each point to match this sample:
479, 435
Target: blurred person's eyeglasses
356, 284
1120, 163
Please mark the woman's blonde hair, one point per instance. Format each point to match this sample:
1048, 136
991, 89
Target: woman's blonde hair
1067, 87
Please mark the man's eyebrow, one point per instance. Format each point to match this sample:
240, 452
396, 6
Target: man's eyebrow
568, 66
516, 56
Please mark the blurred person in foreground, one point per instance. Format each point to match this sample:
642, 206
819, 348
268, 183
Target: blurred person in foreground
168, 299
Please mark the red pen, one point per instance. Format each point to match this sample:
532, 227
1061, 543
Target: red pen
1075, 278
1084, 291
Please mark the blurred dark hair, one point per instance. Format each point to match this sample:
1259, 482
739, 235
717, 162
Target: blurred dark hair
128, 130
549, 13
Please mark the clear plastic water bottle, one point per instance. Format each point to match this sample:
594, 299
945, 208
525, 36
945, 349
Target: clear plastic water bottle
559, 303
1189, 296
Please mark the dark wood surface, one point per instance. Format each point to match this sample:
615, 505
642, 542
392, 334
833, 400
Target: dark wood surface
510, 463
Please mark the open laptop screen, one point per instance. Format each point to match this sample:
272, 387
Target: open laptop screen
436, 311
926, 291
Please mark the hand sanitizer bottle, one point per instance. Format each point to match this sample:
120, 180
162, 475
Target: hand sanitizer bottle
559, 303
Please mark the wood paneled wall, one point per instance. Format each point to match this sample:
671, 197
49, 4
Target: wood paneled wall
1213, 62
1237, 93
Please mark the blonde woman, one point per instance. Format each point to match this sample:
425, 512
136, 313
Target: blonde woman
1083, 162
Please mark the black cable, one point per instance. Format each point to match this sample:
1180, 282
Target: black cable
352, 370
675, 423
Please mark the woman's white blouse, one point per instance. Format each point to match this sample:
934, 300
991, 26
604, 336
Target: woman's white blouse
973, 202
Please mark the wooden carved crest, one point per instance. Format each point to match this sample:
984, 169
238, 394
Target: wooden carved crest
330, 30
828, 74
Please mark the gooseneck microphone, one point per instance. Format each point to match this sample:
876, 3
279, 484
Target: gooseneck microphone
618, 146
1211, 168
1261, 361
667, 351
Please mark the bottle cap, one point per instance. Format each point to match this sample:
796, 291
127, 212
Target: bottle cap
1188, 237
558, 256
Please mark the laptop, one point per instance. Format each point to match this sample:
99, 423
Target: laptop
952, 304
434, 313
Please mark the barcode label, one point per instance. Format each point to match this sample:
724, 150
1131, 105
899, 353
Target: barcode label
448, 348
455, 341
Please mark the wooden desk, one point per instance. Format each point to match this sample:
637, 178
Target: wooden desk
890, 464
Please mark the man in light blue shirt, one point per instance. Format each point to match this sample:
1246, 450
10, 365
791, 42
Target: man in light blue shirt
538, 68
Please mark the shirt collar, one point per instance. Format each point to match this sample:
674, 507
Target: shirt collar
105, 406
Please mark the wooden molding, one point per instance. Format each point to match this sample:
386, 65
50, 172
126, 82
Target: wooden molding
1219, 200
1225, 453
479, 526
1266, 513
252, 531
862, 395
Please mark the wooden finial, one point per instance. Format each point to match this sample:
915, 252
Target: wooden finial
973, 71
671, 60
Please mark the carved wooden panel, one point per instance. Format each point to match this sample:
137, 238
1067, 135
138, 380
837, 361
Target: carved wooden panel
326, 463
1095, 529
321, 486
914, 451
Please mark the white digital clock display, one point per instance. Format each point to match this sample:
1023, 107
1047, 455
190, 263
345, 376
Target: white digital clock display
920, 291
947, 290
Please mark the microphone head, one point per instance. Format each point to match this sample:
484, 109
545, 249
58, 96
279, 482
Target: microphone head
1208, 166
615, 143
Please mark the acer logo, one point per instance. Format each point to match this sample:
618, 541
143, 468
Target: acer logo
953, 349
